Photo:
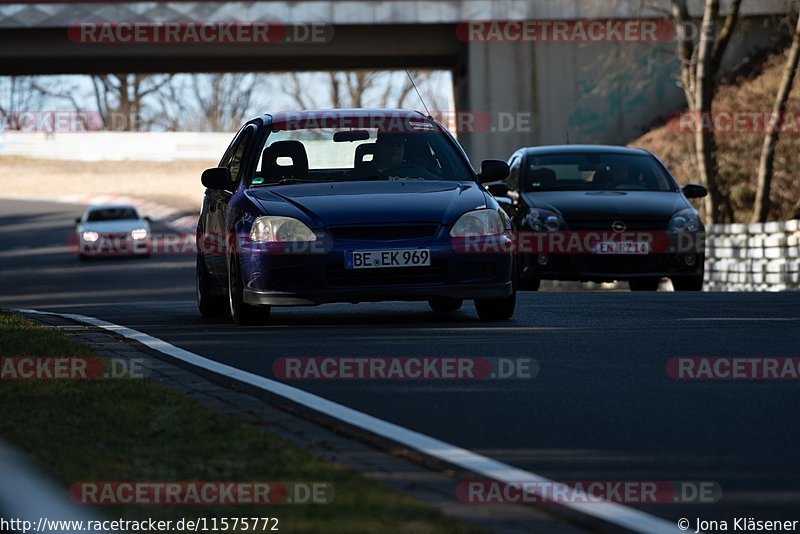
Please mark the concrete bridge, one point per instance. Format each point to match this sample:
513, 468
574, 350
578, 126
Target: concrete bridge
534, 88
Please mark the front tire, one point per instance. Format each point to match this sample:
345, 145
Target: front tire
212, 306
692, 283
242, 313
644, 284
445, 304
501, 309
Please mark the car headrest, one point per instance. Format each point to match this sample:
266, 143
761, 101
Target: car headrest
542, 178
284, 149
361, 151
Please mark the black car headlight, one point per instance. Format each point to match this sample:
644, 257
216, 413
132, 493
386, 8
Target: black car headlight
686, 220
539, 220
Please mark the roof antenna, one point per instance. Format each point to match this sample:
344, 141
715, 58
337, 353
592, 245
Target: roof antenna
567, 137
418, 94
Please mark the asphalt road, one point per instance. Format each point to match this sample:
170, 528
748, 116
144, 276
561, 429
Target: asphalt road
602, 406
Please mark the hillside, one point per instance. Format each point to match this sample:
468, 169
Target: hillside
739, 152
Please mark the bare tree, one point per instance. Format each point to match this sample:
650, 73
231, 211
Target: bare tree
358, 89
18, 94
767, 160
120, 98
700, 64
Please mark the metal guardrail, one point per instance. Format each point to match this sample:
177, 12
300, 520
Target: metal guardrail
26, 494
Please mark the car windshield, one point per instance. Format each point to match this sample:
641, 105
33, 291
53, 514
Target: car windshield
596, 172
338, 155
112, 214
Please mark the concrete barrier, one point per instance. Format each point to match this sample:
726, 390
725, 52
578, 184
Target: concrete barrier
115, 146
753, 257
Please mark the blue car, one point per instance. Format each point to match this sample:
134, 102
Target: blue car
314, 207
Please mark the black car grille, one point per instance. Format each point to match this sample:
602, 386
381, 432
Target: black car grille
632, 224
384, 233
611, 264
337, 275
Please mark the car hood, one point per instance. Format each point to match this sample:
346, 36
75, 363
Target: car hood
351, 203
126, 225
583, 204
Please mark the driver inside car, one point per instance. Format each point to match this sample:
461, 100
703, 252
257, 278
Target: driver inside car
389, 152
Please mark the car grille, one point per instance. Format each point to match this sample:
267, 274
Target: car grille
632, 224
384, 233
611, 264
337, 275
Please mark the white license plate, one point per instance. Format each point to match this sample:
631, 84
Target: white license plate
622, 247
380, 259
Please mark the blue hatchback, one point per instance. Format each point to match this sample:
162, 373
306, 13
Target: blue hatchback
314, 207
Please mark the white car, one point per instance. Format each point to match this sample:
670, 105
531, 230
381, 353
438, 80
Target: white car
116, 229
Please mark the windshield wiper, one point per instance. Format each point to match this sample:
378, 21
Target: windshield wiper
287, 181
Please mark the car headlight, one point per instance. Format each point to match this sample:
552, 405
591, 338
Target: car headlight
686, 220
275, 229
483, 222
90, 237
139, 233
543, 220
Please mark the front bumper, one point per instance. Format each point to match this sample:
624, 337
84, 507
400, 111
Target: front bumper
588, 268
301, 279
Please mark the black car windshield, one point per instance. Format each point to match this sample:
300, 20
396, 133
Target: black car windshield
112, 214
596, 172
338, 155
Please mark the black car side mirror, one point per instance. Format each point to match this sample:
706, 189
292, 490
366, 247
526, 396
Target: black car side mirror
217, 178
694, 191
498, 189
78, 220
493, 170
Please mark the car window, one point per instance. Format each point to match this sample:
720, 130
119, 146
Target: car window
513, 177
596, 171
112, 214
329, 154
234, 161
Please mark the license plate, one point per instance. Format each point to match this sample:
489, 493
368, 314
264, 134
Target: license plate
622, 247
381, 259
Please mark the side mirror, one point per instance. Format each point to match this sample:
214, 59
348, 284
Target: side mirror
493, 170
78, 220
498, 189
217, 178
147, 218
694, 191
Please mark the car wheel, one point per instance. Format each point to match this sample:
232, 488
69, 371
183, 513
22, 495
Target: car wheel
693, 283
496, 309
528, 284
445, 304
644, 284
242, 313
208, 304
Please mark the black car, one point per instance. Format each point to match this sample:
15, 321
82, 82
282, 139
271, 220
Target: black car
601, 214
313, 207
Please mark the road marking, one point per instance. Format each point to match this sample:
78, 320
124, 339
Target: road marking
613, 513
718, 319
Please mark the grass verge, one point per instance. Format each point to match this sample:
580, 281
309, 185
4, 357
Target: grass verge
135, 430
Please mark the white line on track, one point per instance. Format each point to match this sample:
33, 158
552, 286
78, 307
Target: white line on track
613, 513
